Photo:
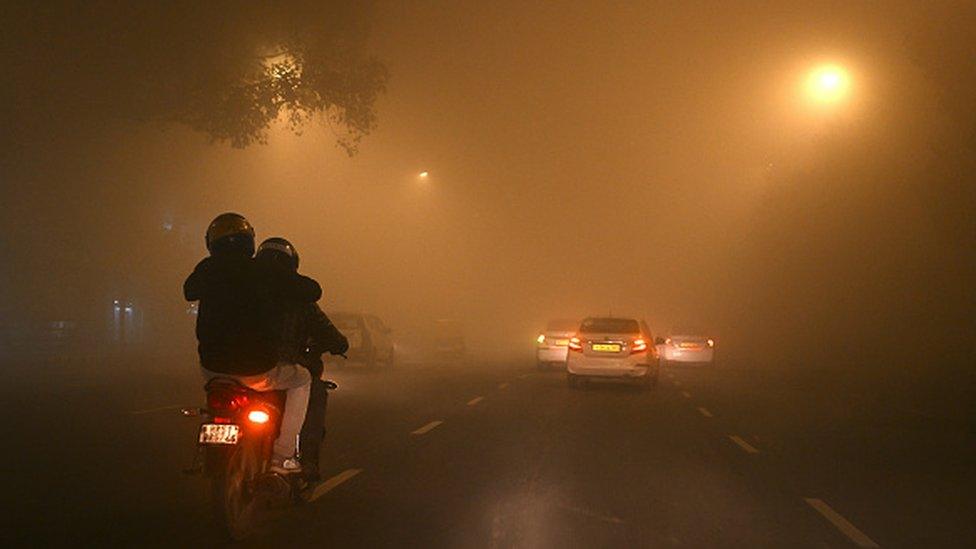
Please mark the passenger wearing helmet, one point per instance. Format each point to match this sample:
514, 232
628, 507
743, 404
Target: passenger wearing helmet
236, 326
304, 333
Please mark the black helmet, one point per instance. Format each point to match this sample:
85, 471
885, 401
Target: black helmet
278, 250
230, 232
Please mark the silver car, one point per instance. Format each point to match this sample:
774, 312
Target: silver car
552, 345
613, 348
686, 344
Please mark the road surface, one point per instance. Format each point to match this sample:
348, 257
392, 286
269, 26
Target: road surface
501, 455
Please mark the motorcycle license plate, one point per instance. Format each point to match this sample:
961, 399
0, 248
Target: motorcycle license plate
219, 433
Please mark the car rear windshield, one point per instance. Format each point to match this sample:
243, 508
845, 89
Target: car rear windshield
610, 326
562, 326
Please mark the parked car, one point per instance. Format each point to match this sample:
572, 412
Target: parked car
370, 340
613, 348
688, 344
552, 345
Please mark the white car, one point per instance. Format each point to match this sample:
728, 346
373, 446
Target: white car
612, 348
688, 345
553, 345
370, 340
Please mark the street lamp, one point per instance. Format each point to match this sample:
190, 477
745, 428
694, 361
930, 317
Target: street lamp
423, 175
828, 84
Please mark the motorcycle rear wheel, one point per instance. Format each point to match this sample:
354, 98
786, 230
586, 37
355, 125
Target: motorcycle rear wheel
237, 502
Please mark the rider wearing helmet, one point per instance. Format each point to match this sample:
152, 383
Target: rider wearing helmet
304, 333
235, 324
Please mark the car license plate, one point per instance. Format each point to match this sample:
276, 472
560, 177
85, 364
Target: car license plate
562, 343
607, 347
219, 433
689, 345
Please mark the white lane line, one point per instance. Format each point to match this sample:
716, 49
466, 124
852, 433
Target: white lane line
160, 409
686, 394
749, 448
841, 523
705, 412
427, 428
475, 400
503, 385
331, 483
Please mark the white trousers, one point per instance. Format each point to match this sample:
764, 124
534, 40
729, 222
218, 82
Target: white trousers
296, 382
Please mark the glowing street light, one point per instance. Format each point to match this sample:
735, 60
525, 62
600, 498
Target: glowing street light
423, 175
828, 84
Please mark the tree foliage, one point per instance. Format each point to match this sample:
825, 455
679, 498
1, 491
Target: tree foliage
229, 69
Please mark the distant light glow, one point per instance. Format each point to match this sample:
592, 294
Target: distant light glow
541, 338
828, 83
424, 175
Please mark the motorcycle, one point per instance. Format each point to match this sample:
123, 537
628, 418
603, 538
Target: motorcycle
234, 450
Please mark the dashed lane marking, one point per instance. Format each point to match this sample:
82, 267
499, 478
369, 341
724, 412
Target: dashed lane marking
427, 428
160, 409
475, 400
748, 448
841, 523
686, 394
331, 483
503, 385
705, 412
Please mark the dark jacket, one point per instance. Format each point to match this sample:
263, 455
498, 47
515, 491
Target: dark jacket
238, 299
305, 333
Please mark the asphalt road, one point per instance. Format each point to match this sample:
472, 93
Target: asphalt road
500, 455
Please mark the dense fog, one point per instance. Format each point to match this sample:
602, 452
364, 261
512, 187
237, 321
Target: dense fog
649, 159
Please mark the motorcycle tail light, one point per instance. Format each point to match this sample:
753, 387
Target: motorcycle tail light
226, 401
258, 416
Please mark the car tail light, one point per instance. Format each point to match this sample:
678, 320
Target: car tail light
541, 339
576, 344
668, 341
639, 346
258, 416
711, 342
